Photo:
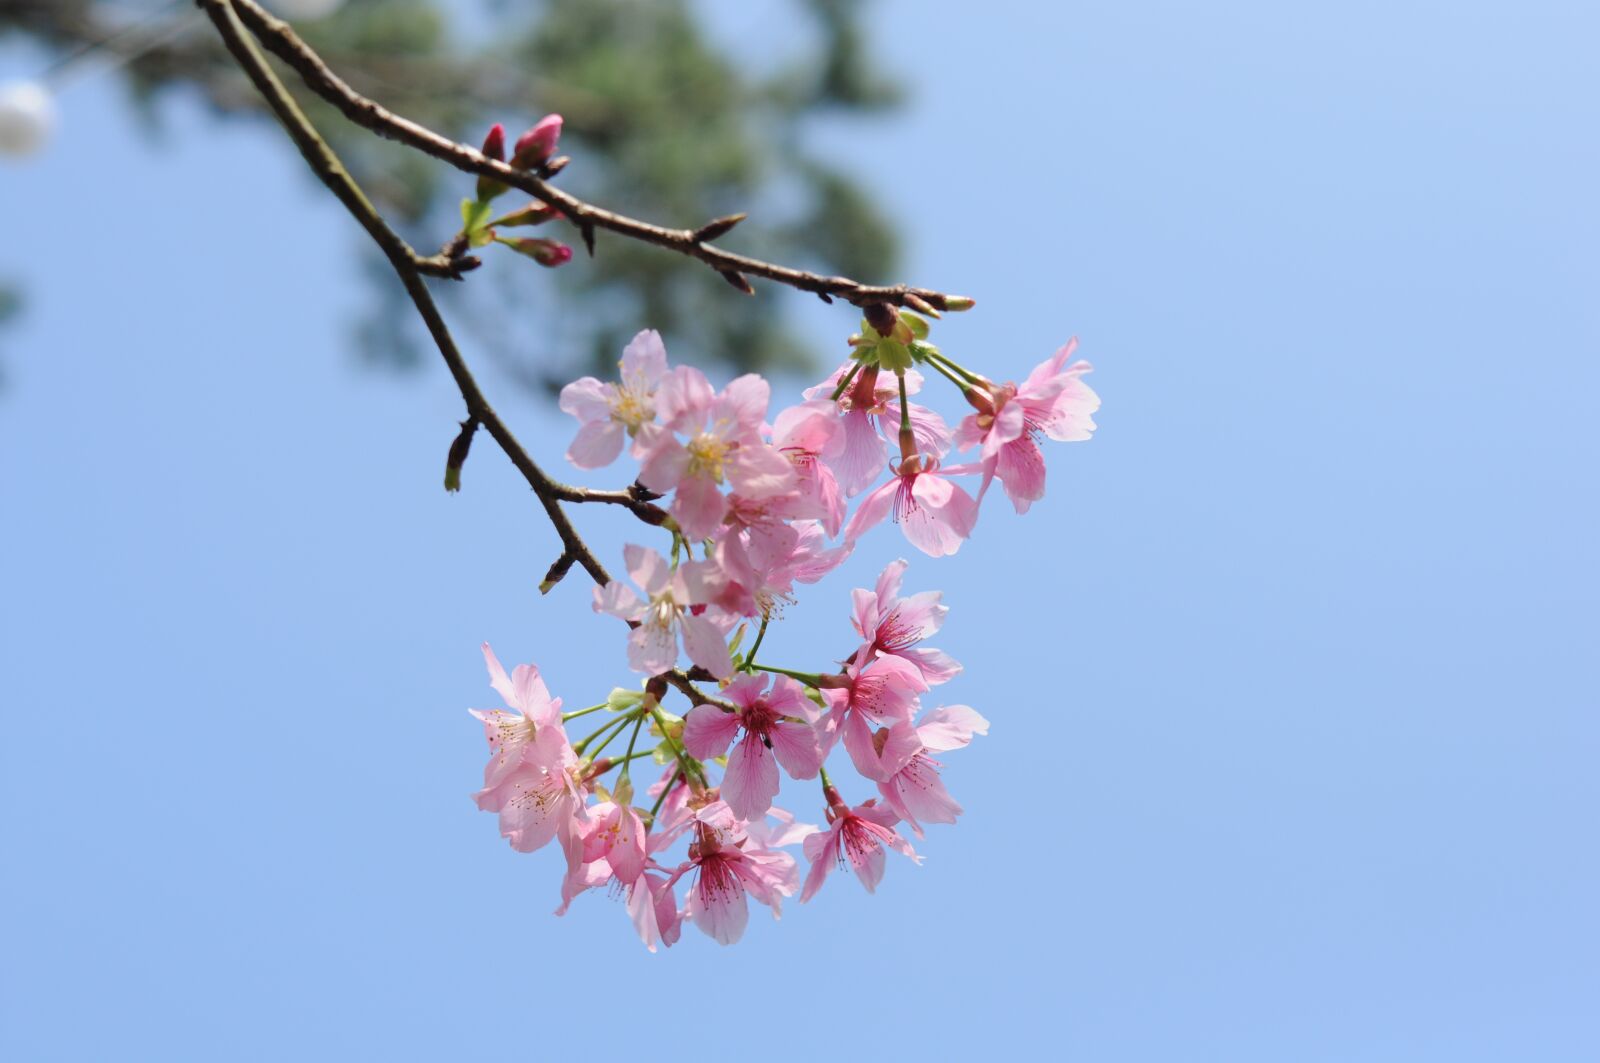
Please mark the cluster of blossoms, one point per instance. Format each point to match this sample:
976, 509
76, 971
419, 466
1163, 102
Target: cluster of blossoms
757, 506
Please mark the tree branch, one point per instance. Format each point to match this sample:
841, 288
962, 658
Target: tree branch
409, 266
282, 41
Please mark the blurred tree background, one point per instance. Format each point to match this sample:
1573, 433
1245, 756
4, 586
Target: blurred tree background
662, 121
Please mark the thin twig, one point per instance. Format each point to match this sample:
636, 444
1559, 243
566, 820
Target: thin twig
278, 38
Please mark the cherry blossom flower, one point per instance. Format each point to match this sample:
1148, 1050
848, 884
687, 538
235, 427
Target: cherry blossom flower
1053, 401
911, 785
809, 436
667, 610
723, 444
895, 625
530, 779
776, 724
763, 563
608, 412
871, 397
872, 692
729, 865
857, 836
936, 515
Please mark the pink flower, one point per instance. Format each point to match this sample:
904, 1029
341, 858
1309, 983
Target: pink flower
935, 514
872, 692
894, 625
809, 436
537, 144
912, 786
858, 836
530, 779
607, 412
871, 398
670, 607
730, 864
724, 443
764, 562
776, 724
1053, 401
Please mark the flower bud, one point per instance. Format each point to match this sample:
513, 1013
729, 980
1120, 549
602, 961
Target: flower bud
458, 454
881, 317
534, 213
957, 303
537, 144
494, 146
545, 252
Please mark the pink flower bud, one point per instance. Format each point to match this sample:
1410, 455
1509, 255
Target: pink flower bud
538, 143
494, 145
545, 252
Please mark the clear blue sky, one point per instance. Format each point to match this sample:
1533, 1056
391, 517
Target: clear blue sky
1292, 675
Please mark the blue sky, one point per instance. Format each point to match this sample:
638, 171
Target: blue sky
1291, 675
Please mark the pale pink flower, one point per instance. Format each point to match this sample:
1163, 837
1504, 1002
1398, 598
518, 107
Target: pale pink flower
873, 398
810, 435
776, 724
895, 625
912, 786
671, 606
730, 864
607, 413
935, 514
1053, 401
723, 445
764, 562
530, 779
872, 692
857, 836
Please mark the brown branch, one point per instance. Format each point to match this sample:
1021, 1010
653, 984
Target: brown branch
409, 266
282, 41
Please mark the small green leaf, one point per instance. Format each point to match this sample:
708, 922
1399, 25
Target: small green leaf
916, 323
474, 212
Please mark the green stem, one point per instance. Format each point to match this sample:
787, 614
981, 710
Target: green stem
846, 381
619, 722
633, 738
751, 656
810, 679
948, 374
565, 716
941, 357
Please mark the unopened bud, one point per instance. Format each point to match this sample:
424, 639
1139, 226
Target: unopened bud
917, 302
882, 318
550, 253
534, 213
539, 143
555, 166
494, 146
458, 454
717, 227
957, 303
557, 572
738, 280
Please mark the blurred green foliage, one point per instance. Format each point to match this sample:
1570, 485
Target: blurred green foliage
662, 123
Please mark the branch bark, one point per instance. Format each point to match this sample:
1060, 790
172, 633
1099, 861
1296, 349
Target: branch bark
277, 37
